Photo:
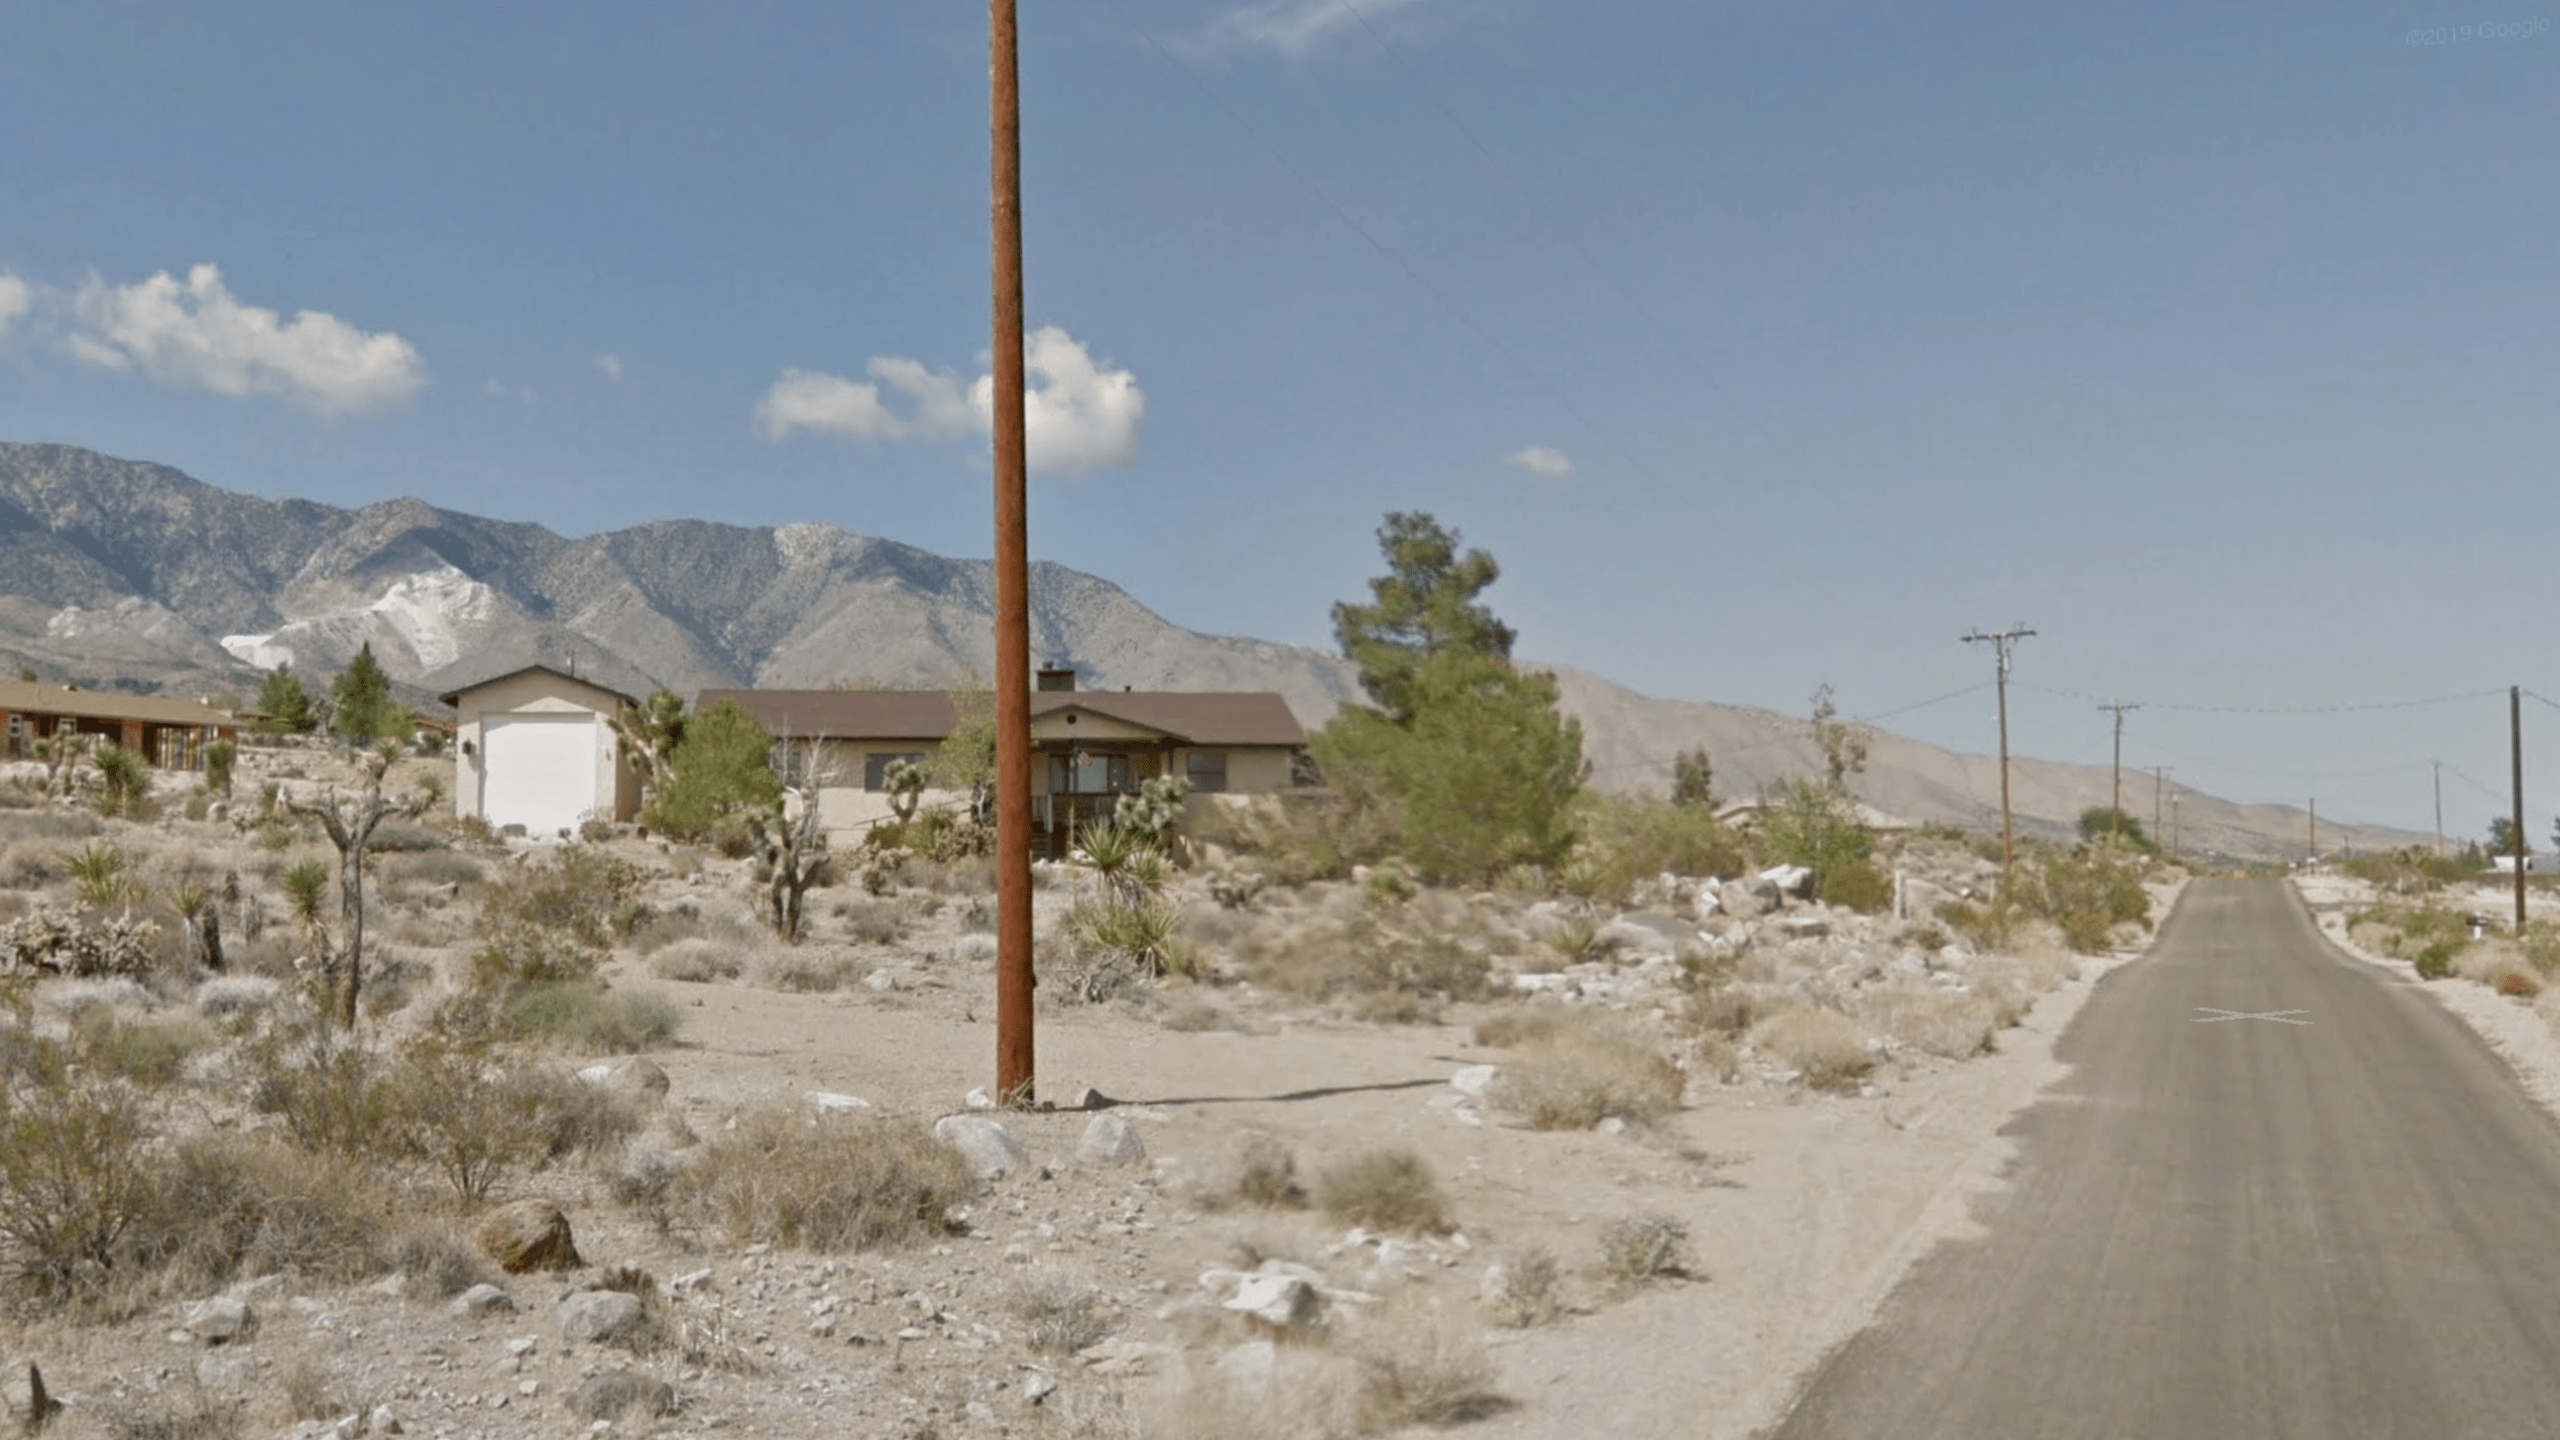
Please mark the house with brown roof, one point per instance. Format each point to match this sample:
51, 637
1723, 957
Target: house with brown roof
1089, 747
168, 733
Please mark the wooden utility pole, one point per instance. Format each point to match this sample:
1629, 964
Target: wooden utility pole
2115, 810
1014, 1073
2159, 779
2439, 769
2001, 640
2515, 745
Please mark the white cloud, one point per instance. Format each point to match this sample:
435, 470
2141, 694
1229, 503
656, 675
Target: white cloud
1544, 461
1291, 28
197, 333
611, 365
16, 299
1078, 413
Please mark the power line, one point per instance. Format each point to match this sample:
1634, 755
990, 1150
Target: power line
2330, 708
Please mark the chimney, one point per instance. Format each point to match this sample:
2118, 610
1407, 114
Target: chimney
1055, 677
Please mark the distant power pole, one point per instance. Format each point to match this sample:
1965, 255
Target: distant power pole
2115, 810
2439, 769
2515, 743
2173, 826
2001, 640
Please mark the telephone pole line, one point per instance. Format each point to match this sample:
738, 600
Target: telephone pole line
2515, 742
2115, 808
2001, 640
1014, 1083
2438, 766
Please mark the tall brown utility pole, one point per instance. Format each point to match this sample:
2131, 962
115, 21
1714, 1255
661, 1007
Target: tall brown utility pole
1014, 1084
2115, 813
2001, 640
2515, 745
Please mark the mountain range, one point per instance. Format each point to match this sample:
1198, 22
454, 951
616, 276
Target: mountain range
121, 573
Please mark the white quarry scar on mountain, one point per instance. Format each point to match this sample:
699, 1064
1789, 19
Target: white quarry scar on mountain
429, 611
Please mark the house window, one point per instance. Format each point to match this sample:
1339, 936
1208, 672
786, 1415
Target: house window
1208, 771
1085, 774
875, 767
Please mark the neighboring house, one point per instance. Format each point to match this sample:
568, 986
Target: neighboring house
1089, 747
168, 733
537, 747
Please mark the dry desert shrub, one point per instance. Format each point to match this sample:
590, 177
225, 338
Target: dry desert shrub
873, 922
1060, 1314
2049, 963
1258, 1170
228, 1207
1420, 1366
439, 1257
1306, 1395
1946, 1023
176, 1413
699, 960
1384, 1190
1194, 1014
1586, 1070
1522, 1024
313, 1391
1527, 1289
806, 972
1636, 1250
1827, 1049
148, 1053
850, 1183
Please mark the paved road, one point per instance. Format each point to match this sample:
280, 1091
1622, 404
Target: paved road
2240, 1227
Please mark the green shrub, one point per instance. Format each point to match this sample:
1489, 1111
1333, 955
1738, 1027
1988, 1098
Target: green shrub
721, 766
1384, 1190
147, 1053
73, 1171
99, 872
218, 760
1863, 887
584, 1015
1808, 825
2434, 960
124, 782
1630, 839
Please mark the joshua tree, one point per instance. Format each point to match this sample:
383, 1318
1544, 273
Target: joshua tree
350, 821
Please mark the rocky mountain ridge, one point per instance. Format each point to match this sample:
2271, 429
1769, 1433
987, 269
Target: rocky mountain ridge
124, 572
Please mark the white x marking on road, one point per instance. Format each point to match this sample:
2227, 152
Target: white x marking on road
2214, 1016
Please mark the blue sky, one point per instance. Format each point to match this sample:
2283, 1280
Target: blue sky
1763, 345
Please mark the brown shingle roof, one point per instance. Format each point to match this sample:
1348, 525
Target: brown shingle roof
31, 697
1199, 718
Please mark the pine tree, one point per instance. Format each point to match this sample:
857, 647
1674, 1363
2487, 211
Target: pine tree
285, 703
365, 707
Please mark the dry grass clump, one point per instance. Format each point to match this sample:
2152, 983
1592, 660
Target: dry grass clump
852, 1183
176, 1413
1344, 948
1946, 1023
698, 961
1587, 1069
1827, 1049
1636, 1250
440, 1258
1522, 1024
227, 1207
1420, 1367
1194, 1014
1060, 1314
872, 922
149, 1053
1258, 1170
1384, 1190
1527, 1289
806, 972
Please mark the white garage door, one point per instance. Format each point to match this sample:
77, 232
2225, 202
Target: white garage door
542, 771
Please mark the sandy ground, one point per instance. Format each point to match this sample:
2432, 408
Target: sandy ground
1802, 1210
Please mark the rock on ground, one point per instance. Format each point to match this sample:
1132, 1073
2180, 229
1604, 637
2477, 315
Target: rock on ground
529, 1235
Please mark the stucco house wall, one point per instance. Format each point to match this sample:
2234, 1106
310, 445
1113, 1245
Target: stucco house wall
542, 692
